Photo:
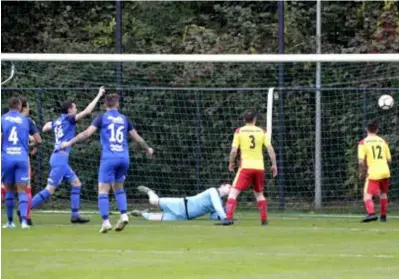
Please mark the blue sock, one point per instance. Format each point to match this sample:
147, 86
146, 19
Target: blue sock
9, 201
23, 204
75, 200
103, 205
121, 200
41, 197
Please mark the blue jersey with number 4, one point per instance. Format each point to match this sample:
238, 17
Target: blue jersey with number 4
114, 129
15, 129
64, 128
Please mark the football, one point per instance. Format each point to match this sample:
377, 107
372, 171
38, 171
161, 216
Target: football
385, 102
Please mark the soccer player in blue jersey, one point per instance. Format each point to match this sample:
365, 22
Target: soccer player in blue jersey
188, 208
15, 131
115, 128
64, 128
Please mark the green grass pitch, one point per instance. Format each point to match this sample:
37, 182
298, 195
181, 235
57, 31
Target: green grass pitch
290, 247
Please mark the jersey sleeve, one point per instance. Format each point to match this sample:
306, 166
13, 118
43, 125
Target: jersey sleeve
72, 119
130, 125
266, 140
97, 122
217, 203
361, 151
32, 127
236, 139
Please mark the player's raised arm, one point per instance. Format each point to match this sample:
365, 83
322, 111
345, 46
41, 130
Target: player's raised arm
91, 106
138, 139
234, 149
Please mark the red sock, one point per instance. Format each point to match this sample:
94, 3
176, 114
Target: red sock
3, 192
262, 206
29, 194
383, 207
369, 206
230, 208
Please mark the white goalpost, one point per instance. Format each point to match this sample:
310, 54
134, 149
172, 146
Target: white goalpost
270, 89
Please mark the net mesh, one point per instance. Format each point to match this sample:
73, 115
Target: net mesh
190, 124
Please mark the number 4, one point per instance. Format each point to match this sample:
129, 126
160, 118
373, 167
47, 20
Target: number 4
13, 137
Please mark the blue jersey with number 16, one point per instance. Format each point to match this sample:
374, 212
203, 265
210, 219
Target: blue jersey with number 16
114, 129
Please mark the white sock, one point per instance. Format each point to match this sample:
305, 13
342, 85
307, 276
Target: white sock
124, 217
153, 197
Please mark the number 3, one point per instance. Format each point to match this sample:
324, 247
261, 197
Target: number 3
252, 146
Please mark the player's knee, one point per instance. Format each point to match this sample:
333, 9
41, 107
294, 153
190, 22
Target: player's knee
76, 183
103, 188
383, 196
117, 186
367, 196
234, 193
259, 196
51, 189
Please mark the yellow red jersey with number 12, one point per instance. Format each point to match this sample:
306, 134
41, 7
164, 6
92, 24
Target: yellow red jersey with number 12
375, 151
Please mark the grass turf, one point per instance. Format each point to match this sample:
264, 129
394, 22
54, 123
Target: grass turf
304, 247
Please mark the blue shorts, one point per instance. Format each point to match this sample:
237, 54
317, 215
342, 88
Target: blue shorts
113, 170
173, 209
14, 170
60, 170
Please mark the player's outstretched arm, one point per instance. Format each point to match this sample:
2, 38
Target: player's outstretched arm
81, 136
91, 106
47, 127
138, 139
272, 155
217, 204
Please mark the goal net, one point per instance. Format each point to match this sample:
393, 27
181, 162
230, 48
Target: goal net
188, 111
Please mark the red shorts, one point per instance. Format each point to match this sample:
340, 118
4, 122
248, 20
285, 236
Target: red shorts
375, 187
245, 177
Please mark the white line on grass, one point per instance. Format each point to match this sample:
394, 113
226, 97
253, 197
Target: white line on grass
192, 251
288, 216
271, 227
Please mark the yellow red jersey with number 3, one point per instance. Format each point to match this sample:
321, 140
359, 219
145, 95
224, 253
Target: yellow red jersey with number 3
251, 139
375, 151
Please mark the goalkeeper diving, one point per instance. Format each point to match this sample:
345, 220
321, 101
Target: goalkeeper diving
188, 208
